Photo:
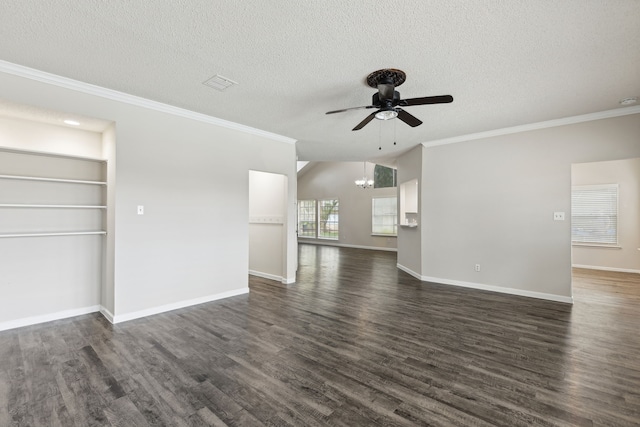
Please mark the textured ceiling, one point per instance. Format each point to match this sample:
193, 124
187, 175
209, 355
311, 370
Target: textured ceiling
506, 63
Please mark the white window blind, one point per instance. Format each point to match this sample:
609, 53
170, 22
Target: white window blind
384, 219
594, 214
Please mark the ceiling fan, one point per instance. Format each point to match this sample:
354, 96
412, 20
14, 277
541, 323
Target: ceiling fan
387, 99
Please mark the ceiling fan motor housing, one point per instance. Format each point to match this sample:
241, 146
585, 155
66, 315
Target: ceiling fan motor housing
385, 103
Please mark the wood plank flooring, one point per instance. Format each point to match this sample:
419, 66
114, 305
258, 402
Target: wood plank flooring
355, 342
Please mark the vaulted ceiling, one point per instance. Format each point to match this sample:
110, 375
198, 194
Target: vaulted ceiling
505, 62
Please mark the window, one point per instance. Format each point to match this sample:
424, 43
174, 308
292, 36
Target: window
384, 177
307, 218
384, 218
594, 214
328, 211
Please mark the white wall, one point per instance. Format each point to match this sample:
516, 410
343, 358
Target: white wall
45, 137
409, 239
626, 173
267, 215
191, 245
329, 180
491, 202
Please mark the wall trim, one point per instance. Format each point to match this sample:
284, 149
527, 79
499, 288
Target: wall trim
618, 112
409, 271
500, 289
596, 267
106, 313
285, 281
176, 305
49, 317
67, 83
345, 245
266, 275
490, 288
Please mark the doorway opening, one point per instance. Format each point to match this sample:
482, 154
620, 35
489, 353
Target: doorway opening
268, 195
605, 227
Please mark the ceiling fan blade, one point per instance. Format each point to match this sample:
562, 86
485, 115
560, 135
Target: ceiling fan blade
365, 121
386, 90
408, 118
441, 99
353, 108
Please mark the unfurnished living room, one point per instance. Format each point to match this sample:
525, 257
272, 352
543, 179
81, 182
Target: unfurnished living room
319, 213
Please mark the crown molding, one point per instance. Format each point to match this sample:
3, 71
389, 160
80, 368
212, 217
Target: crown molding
114, 95
535, 126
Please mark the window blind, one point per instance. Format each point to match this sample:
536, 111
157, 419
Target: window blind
384, 218
594, 214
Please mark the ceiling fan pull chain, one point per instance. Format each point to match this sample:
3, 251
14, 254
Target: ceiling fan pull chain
394, 132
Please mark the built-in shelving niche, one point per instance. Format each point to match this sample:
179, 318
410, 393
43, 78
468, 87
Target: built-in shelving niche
47, 194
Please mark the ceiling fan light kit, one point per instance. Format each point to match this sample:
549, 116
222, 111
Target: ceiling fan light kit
386, 114
388, 102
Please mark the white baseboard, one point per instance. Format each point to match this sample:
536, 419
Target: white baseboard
266, 276
409, 271
280, 279
106, 313
491, 288
34, 320
596, 267
118, 318
345, 245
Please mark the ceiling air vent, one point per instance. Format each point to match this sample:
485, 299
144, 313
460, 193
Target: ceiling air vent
220, 83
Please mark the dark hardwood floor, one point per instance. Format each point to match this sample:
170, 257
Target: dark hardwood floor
355, 342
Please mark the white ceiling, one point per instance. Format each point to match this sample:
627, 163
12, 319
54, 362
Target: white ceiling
506, 63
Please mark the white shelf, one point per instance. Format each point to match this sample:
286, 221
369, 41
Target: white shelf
409, 225
62, 233
45, 153
5, 205
35, 178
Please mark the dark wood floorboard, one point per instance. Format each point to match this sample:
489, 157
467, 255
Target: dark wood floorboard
355, 342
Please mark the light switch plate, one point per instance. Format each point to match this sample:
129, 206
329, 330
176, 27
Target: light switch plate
558, 216
140, 210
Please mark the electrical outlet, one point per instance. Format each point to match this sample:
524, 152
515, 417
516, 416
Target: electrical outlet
477, 267
558, 216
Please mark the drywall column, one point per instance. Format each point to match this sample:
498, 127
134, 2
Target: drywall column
108, 284
410, 238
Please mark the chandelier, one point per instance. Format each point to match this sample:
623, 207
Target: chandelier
364, 182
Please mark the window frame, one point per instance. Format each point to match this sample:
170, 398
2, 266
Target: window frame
320, 221
376, 177
315, 219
